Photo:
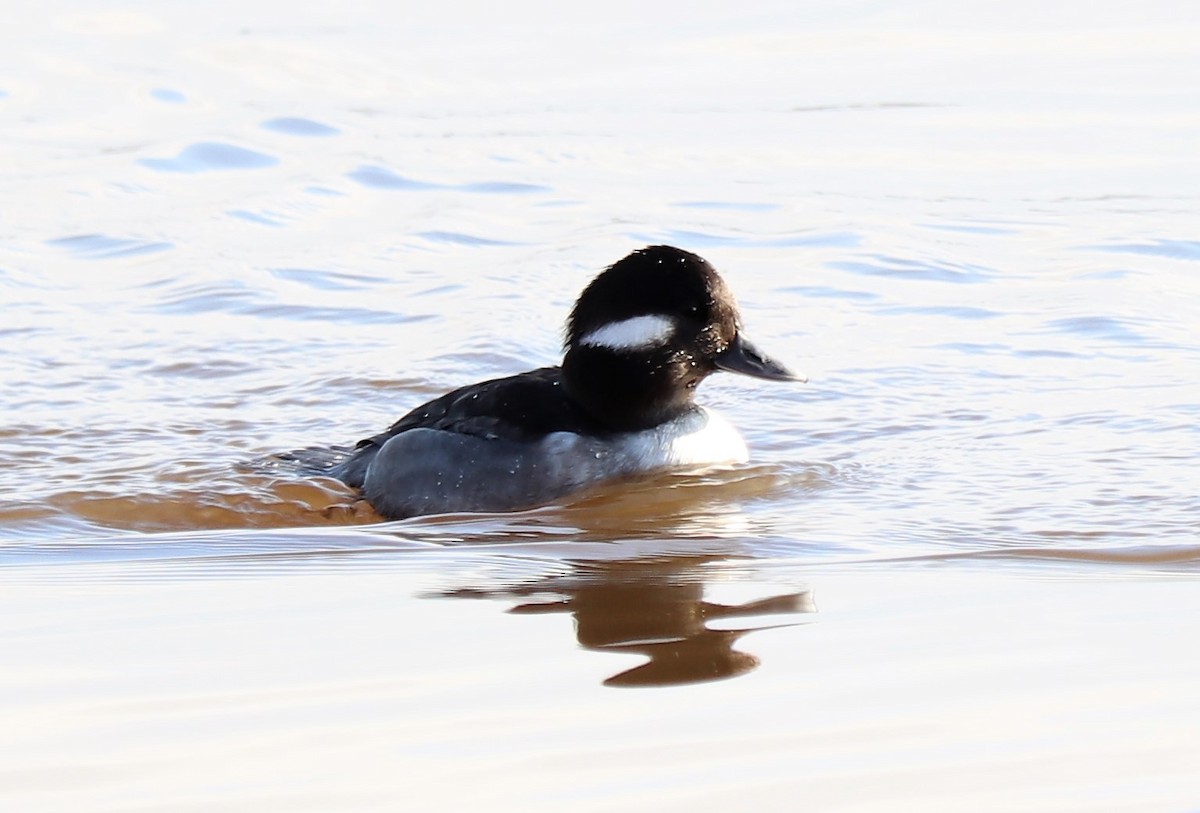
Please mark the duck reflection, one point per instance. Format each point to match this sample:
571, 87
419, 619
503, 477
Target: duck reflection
657, 609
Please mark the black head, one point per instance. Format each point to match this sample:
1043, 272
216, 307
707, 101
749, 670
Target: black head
647, 331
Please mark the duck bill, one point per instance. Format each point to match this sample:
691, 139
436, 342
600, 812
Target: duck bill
743, 357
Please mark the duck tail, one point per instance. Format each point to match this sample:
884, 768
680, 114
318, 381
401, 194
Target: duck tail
313, 460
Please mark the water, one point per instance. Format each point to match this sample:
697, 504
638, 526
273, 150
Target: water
960, 572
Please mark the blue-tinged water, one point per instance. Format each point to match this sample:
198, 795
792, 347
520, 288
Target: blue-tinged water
959, 572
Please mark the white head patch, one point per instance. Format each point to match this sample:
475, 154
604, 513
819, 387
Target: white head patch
636, 333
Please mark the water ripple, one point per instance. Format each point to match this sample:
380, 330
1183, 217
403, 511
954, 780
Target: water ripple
324, 280
827, 292
729, 206
349, 316
207, 297
103, 247
954, 312
208, 156
1098, 327
300, 127
968, 228
909, 269
460, 239
501, 188
700, 240
254, 217
377, 177
1173, 249
169, 96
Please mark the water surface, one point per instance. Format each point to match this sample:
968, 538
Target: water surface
960, 571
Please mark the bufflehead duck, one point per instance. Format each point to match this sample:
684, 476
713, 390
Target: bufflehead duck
640, 339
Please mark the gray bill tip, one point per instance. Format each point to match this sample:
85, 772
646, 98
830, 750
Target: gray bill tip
744, 358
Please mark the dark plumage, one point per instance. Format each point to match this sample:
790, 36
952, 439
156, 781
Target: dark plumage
640, 339
520, 407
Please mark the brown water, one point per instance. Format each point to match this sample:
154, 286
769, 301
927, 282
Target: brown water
959, 574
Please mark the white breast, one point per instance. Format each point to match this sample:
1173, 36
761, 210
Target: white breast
700, 438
